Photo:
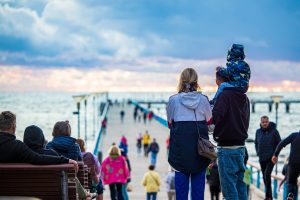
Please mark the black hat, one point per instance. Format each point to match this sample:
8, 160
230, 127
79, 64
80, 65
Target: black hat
34, 137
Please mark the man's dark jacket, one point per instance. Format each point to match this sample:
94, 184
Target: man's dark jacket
231, 114
266, 141
15, 151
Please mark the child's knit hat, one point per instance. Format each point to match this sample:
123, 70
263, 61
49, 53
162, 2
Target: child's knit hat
236, 52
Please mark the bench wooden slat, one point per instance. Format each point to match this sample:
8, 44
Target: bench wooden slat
42, 181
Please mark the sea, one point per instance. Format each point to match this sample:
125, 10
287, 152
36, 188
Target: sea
45, 108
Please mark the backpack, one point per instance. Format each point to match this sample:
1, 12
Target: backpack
172, 183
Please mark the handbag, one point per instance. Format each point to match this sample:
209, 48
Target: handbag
205, 147
129, 187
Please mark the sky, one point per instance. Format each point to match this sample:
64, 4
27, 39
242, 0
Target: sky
143, 45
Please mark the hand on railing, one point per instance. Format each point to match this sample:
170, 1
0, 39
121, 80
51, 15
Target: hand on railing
274, 159
75, 164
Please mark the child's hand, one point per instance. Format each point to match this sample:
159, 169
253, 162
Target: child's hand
211, 128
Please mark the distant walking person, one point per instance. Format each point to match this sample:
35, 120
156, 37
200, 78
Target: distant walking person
231, 114
266, 140
188, 112
150, 116
122, 114
135, 113
104, 125
151, 181
168, 145
139, 140
124, 152
170, 181
153, 149
146, 142
145, 117
294, 162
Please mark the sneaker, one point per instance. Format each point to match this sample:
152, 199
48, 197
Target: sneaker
290, 196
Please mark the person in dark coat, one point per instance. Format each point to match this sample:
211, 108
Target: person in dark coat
153, 149
294, 161
63, 143
188, 113
34, 138
15, 151
231, 115
266, 140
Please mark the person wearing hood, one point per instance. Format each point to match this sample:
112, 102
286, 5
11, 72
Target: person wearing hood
15, 151
266, 140
188, 112
63, 143
34, 138
231, 115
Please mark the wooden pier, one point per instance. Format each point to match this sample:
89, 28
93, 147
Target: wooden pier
139, 163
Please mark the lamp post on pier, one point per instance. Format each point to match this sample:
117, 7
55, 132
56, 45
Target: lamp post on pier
276, 100
78, 99
85, 119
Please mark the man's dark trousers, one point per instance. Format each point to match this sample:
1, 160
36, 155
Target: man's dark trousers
267, 168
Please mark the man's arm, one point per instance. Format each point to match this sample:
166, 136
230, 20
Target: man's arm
25, 154
220, 109
283, 143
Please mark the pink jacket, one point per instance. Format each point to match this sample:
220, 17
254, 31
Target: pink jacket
114, 170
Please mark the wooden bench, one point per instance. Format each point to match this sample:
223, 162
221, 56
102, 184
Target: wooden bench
41, 181
82, 175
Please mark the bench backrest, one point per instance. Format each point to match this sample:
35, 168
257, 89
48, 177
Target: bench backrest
41, 181
82, 175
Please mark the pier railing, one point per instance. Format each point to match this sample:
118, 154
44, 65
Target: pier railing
98, 140
161, 120
256, 177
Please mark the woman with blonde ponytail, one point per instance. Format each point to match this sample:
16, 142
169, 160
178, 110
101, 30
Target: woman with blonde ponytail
188, 112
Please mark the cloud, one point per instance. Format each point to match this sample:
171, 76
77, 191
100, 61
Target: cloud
82, 29
143, 74
192, 30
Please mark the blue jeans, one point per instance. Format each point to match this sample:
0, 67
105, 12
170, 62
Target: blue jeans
231, 171
151, 195
153, 158
182, 183
124, 191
